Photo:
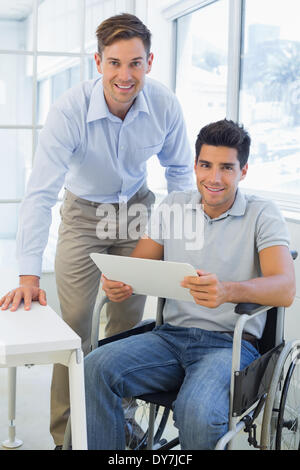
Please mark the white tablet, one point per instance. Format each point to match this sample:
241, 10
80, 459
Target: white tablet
147, 276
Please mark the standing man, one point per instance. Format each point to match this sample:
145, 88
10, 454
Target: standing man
96, 142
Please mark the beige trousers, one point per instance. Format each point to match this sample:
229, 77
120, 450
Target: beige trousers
78, 278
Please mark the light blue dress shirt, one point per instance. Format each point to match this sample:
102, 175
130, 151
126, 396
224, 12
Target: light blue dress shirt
99, 157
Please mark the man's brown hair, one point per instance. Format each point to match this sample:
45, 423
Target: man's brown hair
124, 26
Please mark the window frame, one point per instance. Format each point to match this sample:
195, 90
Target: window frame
82, 54
173, 11
34, 53
85, 52
236, 17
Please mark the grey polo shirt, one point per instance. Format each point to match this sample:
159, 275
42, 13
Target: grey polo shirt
227, 246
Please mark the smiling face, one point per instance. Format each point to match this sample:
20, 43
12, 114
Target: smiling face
218, 174
123, 65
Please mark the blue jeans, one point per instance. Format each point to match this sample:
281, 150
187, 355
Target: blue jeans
169, 357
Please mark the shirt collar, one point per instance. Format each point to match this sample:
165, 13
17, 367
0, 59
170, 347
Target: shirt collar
140, 104
237, 209
98, 108
239, 206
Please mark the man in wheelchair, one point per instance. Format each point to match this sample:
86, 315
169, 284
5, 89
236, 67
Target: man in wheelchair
243, 257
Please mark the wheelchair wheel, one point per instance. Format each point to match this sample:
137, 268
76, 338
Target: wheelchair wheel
288, 425
282, 408
137, 439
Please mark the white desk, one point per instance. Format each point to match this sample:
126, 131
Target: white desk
40, 336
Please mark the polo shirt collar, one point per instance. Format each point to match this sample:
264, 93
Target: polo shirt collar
238, 208
98, 108
239, 205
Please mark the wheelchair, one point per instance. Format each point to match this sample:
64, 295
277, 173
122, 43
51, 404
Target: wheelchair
268, 390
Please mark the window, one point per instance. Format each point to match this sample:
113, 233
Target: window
270, 94
201, 65
242, 59
46, 46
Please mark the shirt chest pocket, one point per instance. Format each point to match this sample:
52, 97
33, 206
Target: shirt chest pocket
144, 153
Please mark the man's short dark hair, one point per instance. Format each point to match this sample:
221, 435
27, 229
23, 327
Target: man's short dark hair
225, 133
123, 26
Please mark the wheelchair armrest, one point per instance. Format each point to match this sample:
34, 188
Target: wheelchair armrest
247, 308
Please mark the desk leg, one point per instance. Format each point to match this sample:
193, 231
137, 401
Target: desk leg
12, 442
77, 401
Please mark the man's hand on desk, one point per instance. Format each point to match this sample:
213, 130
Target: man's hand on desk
116, 291
206, 289
28, 290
